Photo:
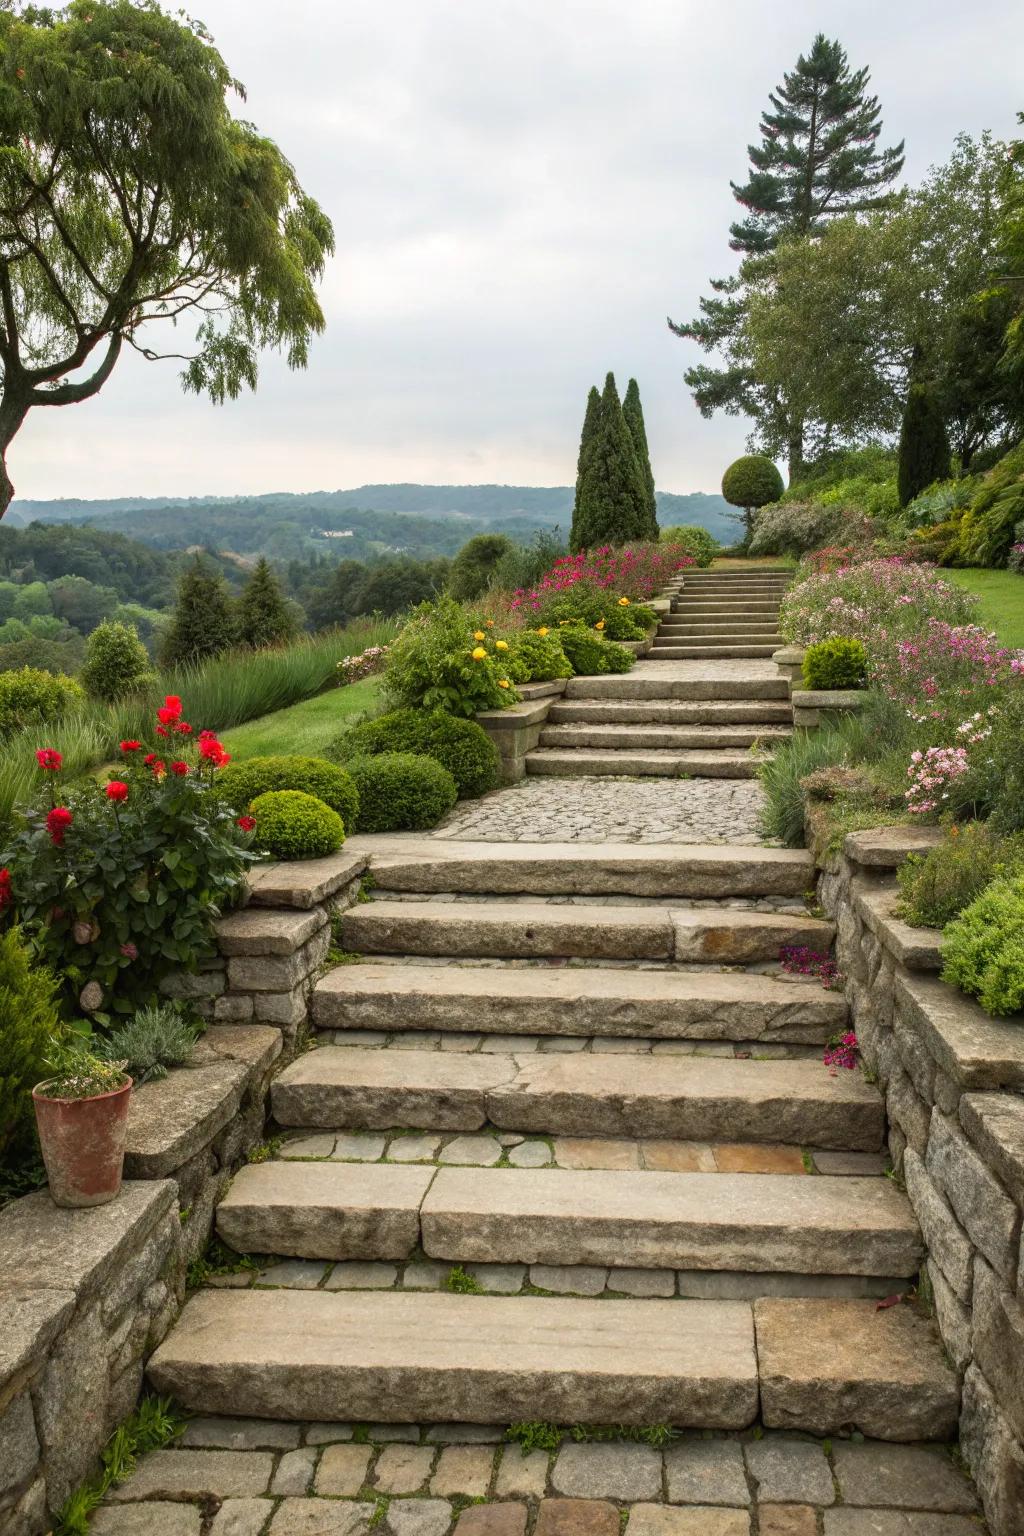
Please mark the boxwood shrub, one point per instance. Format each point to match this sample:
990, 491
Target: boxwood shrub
30, 697
836, 663
541, 655
240, 783
401, 792
294, 825
983, 949
589, 655
459, 745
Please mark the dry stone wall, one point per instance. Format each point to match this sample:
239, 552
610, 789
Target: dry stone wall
953, 1080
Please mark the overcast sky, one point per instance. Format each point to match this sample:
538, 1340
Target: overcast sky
521, 190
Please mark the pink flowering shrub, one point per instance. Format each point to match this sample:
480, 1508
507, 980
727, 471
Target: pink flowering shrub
931, 773
938, 673
877, 601
841, 1051
637, 572
799, 960
353, 669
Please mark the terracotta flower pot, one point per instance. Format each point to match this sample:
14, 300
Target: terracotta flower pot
83, 1144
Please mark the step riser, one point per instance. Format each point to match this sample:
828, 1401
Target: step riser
570, 765
630, 686
761, 712
699, 626
402, 1358
712, 652
647, 738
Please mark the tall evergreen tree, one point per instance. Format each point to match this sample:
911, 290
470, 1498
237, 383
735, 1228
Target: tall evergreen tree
587, 438
264, 617
924, 446
611, 507
634, 414
203, 624
818, 155
818, 158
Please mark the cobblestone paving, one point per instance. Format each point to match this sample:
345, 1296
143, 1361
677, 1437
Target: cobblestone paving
612, 810
238, 1477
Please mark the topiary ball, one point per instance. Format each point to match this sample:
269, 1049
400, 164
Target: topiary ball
294, 825
752, 481
835, 663
460, 745
401, 791
240, 782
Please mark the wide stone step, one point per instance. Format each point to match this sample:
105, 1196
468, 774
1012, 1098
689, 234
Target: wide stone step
538, 1000
690, 1098
713, 652
707, 607
686, 680
643, 738
737, 1222
431, 866
579, 762
408, 1357
668, 712
699, 624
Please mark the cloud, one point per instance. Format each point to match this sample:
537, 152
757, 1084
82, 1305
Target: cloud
521, 192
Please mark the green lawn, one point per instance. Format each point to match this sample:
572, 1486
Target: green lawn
1002, 601
303, 728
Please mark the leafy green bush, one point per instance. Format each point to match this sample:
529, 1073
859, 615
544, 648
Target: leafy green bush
402, 792
986, 528
794, 527
475, 564
294, 825
693, 540
159, 1036
240, 783
995, 782
983, 949
616, 617
438, 662
835, 663
28, 1025
460, 745
542, 656
936, 887
589, 655
32, 698
116, 662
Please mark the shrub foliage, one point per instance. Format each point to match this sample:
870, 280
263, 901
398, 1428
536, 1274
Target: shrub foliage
116, 662
240, 783
402, 792
293, 825
30, 697
459, 745
837, 663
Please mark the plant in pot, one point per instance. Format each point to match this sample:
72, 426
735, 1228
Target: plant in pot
82, 1119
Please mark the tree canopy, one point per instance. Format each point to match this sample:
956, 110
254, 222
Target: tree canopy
612, 503
134, 207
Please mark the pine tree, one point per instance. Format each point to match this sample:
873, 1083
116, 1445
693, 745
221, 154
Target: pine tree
818, 155
264, 617
203, 623
924, 453
634, 414
612, 506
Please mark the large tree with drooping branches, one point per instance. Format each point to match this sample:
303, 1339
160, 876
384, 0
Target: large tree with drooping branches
137, 212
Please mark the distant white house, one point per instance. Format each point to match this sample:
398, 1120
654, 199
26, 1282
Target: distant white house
335, 533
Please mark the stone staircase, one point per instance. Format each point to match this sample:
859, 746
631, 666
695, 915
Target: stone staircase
707, 702
572, 1078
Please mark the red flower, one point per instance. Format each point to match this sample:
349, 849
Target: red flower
170, 710
212, 750
130, 746
183, 728
149, 759
130, 951
57, 823
247, 823
49, 760
6, 894
158, 767
161, 730
117, 790
180, 769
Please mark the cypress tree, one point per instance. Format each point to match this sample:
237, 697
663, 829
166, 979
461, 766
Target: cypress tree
588, 437
924, 446
612, 506
633, 411
203, 624
264, 617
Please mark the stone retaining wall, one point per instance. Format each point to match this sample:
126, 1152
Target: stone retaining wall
87, 1295
953, 1079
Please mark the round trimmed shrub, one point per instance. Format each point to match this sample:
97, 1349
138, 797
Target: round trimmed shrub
30, 697
240, 783
116, 662
293, 825
459, 745
835, 663
693, 540
752, 481
401, 791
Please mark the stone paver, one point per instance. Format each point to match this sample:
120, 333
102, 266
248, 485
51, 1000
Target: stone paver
569, 1279
660, 1520
614, 1471
298, 1274
236, 1517
576, 1517
787, 1520
414, 1149
551, 810
156, 1519
737, 1158
464, 1469
294, 1472
342, 1469
706, 1472
358, 1148
418, 1517
403, 1468
904, 1476
320, 1517
481, 1151
520, 1476
360, 1275
597, 1152
225, 1474
240, 1435
896, 1522
678, 1156
492, 1520
789, 1472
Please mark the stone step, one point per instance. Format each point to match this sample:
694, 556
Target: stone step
432, 866
748, 624
652, 1004
732, 1222
673, 642
656, 680
713, 652
706, 607
579, 762
669, 712
689, 1098
406, 1357
664, 737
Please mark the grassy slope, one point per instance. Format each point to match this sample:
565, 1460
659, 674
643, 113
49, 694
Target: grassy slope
303, 728
1002, 600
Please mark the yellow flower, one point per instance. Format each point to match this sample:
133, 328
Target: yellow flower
479, 654
504, 683
478, 634
543, 630
599, 624
490, 623
501, 645
623, 602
